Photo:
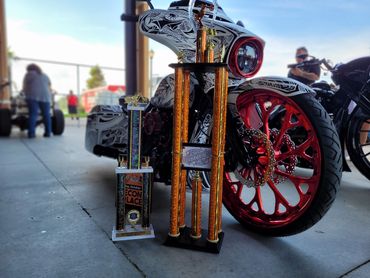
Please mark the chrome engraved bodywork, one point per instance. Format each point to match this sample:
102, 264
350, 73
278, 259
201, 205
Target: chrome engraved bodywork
105, 132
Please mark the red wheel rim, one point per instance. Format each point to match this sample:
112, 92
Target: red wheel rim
287, 195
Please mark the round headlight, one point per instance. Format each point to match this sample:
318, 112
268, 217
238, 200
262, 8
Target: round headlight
246, 57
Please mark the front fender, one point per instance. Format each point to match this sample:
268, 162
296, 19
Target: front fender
284, 86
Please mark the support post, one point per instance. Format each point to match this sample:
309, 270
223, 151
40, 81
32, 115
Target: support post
143, 57
4, 74
130, 48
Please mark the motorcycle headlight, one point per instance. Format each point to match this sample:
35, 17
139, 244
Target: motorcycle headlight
246, 57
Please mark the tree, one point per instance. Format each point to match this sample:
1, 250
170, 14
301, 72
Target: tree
96, 78
11, 54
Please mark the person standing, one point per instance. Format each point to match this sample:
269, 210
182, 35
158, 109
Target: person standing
72, 104
306, 74
36, 87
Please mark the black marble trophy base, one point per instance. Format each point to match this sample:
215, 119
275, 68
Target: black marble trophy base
185, 241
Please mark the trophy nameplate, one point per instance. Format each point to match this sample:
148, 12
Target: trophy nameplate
196, 156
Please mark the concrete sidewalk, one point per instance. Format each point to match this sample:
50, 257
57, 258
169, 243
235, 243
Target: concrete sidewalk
57, 212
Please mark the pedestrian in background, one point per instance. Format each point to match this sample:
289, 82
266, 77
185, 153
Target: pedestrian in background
306, 74
36, 87
72, 104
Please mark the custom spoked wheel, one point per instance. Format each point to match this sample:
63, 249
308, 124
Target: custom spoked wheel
358, 141
291, 168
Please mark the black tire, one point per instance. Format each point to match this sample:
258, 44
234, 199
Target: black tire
5, 122
356, 150
57, 122
317, 203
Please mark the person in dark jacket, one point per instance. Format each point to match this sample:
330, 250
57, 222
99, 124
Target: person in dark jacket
306, 74
36, 87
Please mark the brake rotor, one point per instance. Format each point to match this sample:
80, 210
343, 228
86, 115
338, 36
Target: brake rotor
260, 148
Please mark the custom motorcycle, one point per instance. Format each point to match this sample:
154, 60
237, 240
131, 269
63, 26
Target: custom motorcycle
348, 104
264, 187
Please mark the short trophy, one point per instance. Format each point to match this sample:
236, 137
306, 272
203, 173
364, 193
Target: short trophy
134, 181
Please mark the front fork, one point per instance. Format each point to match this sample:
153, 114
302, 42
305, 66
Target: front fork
341, 120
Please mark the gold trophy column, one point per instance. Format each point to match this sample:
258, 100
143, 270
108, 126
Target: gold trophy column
201, 45
218, 143
176, 154
196, 206
225, 84
185, 123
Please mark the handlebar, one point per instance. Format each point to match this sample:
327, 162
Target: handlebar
312, 62
326, 64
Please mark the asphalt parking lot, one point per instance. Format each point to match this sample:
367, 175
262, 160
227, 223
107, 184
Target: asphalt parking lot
57, 212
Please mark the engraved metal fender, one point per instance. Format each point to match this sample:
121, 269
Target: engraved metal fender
284, 86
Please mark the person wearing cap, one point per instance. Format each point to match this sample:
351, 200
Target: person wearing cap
307, 74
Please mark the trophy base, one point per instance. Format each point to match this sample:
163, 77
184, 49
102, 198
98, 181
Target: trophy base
132, 233
185, 241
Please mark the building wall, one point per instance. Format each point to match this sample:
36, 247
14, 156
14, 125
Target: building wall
107, 95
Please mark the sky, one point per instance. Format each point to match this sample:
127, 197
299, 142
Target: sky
90, 32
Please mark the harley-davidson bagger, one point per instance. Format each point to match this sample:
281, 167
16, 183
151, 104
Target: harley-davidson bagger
265, 187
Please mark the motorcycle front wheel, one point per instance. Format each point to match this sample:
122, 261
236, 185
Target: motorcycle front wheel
358, 141
294, 167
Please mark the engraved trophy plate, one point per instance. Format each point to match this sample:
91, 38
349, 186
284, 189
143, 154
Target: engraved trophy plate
196, 157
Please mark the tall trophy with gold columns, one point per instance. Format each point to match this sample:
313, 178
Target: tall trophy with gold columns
198, 157
134, 181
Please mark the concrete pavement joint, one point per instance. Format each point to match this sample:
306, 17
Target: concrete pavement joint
83, 208
56, 178
131, 261
355, 268
46, 167
118, 247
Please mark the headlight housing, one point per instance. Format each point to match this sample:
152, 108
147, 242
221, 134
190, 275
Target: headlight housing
246, 57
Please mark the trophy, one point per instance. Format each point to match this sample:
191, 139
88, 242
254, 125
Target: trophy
198, 157
134, 181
